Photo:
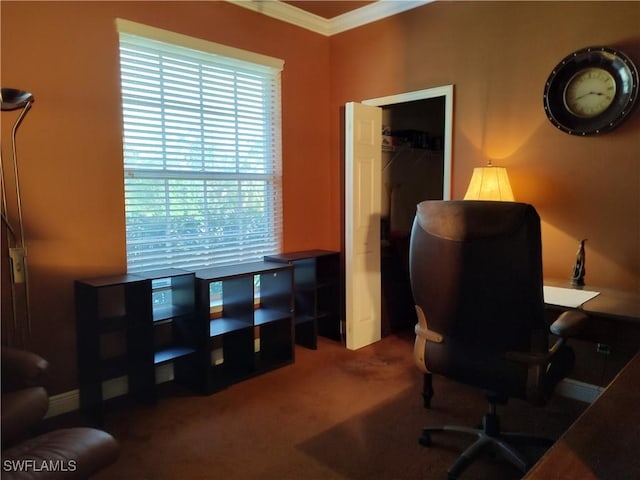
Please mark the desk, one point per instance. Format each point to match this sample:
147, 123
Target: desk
603, 442
610, 337
610, 303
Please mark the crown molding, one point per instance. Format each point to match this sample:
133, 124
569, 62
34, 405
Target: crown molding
372, 13
315, 23
286, 13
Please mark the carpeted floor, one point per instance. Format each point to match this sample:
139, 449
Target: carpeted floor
333, 414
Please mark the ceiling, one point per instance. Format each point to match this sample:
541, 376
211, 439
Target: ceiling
328, 8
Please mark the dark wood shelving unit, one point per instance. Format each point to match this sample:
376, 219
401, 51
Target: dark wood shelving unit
120, 333
211, 343
173, 328
318, 301
247, 331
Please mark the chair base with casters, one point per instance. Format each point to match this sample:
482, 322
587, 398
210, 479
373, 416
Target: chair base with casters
489, 439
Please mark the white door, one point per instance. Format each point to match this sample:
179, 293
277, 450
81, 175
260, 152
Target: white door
363, 130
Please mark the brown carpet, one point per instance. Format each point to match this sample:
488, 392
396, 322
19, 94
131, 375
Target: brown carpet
333, 414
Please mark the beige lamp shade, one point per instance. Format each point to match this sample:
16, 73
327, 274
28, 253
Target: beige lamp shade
489, 183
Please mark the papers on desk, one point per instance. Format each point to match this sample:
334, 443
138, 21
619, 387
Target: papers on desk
567, 297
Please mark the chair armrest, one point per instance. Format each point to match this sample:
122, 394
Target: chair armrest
21, 410
423, 335
528, 358
569, 324
21, 369
546, 369
88, 450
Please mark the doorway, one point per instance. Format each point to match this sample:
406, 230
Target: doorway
416, 166
363, 200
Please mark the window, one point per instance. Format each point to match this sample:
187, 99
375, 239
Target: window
202, 159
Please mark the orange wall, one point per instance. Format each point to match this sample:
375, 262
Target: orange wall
70, 147
498, 56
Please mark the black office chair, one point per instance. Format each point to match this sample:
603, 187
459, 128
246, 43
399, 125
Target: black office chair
476, 278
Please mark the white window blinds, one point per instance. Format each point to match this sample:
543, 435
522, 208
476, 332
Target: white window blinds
202, 159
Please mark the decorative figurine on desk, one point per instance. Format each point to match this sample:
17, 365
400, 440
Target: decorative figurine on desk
577, 279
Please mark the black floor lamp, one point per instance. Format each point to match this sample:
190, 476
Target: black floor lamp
12, 99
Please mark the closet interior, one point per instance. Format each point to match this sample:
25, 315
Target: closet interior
412, 171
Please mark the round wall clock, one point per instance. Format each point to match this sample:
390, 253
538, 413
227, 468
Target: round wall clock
591, 91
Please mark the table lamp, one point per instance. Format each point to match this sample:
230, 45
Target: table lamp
489, 183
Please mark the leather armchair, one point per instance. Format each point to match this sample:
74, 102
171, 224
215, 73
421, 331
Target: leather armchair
24, 400
476, 278
70, 453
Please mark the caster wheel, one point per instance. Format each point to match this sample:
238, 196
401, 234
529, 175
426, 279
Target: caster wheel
425, 439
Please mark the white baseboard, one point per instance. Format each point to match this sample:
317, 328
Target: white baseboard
70, 401
585, 392
63, 403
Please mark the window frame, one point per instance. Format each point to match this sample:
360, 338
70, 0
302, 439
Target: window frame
272, 177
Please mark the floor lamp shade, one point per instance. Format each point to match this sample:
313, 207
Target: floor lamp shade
489, 183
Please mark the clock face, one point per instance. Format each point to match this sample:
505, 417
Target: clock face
590, 92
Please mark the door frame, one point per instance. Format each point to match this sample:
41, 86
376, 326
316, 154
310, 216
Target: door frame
442, 91
445, 91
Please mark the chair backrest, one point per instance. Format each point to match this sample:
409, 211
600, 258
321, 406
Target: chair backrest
476, 274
